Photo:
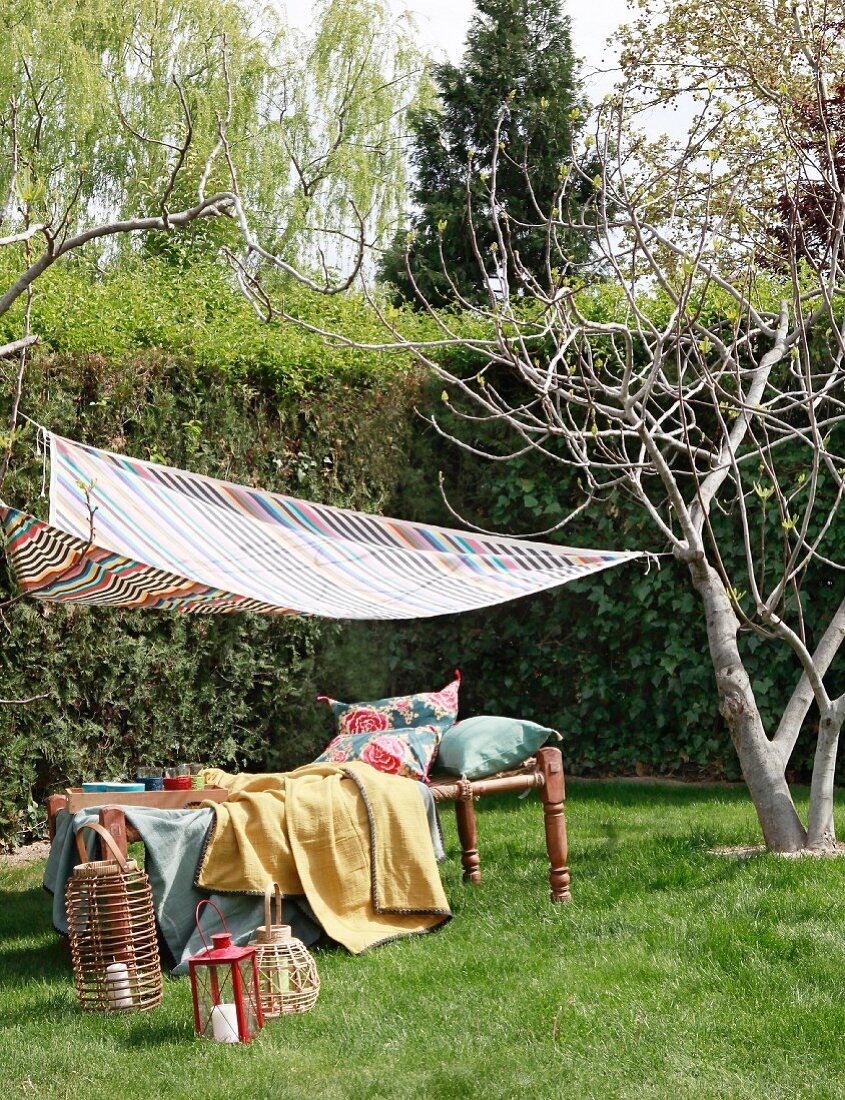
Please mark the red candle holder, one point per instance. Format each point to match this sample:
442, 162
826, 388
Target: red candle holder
177, 783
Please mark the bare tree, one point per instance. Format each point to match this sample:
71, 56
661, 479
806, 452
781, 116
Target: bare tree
696, 362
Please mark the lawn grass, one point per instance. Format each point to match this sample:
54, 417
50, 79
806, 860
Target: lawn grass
673, 973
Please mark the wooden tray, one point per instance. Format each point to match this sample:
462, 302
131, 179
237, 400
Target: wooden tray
77, 799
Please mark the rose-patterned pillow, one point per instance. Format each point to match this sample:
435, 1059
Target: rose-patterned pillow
407, 752
431, 708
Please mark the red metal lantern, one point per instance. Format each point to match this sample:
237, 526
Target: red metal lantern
225, 989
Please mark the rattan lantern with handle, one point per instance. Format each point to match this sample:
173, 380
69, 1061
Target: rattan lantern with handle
286, 971
112, 932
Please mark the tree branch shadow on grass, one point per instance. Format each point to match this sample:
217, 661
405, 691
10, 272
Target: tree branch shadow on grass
671, 861
48, 964
660, 795
56, 1008
626, 793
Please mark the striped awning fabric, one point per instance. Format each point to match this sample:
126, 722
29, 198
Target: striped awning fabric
129, 533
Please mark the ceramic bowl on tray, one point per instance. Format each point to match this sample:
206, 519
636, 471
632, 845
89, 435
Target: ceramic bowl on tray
113, 788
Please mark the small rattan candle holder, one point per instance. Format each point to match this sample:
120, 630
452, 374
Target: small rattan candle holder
112, 932
286, 971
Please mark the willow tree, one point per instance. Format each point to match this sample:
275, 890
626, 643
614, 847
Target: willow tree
118, 120
193, 130
337, 108
116, 108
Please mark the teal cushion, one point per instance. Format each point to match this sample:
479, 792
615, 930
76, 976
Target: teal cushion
485, 745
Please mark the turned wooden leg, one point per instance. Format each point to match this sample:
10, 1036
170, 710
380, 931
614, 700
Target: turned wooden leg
113, 819
55, 802
550, 763
465, 813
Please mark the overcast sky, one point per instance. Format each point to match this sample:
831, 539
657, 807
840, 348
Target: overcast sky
442, 25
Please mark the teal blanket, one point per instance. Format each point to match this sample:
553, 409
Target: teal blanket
174, 841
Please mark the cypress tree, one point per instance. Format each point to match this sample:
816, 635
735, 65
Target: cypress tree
519, 58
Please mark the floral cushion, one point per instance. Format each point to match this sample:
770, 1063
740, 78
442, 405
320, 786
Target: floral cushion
433, 708
407, 752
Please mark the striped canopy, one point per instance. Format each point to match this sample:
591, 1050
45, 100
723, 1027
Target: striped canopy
128, 533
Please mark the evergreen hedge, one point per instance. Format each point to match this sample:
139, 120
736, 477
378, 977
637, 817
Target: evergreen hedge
264, 406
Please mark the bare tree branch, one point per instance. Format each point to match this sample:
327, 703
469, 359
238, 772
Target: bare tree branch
24, 702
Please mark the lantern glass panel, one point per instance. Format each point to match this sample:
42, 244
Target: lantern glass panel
213, 985
250, 996
224, 984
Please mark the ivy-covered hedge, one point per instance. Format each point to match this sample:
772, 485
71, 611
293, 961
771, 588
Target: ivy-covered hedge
617, 662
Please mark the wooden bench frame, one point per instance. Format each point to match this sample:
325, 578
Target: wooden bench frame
545, 774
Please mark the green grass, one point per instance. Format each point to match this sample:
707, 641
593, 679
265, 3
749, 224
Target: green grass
674, 973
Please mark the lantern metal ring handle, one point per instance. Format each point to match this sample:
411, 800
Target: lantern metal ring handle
200, 904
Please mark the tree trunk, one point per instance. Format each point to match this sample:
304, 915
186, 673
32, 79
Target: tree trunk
762, 766
821, 833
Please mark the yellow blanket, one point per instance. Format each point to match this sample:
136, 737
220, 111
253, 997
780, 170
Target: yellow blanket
354, 841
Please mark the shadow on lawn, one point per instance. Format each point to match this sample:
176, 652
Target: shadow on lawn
29, 945
618, 865
645, 797
55, 1007
664, 864
658, 794
150, 1032
48, 961
607, 851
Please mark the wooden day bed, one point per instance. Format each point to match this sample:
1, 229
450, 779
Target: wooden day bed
544, 772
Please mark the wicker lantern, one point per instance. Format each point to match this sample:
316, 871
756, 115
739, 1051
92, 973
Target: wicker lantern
224, 987
112, 932
287, 972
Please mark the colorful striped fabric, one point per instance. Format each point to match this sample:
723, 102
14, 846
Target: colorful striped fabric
130, 533
51, 565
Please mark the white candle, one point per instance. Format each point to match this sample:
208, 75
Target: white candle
224, 1021
119, 989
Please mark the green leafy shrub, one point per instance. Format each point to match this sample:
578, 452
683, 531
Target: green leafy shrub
194, 310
